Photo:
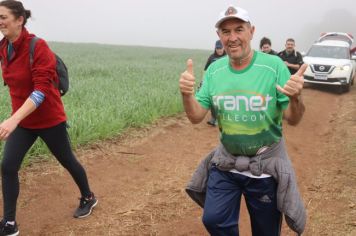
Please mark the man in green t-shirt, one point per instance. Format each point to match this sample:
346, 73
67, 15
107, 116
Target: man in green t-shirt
250, 92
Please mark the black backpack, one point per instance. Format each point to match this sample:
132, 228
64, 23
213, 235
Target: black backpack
61, 69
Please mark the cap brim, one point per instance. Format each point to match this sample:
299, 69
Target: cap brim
228, 18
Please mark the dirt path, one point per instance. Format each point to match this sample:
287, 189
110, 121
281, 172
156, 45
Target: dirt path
140, 180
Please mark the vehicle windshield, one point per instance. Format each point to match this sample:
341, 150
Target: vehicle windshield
329, 52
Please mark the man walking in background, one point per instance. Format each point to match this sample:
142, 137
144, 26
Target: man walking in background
291, 57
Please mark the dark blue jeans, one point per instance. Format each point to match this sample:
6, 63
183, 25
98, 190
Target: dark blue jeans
222, 204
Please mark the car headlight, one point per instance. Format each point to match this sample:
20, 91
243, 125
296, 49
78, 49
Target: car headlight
343, 68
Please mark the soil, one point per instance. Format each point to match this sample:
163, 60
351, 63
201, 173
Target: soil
139, 178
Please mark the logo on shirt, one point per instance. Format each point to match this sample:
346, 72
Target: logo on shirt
241, 102
241, 108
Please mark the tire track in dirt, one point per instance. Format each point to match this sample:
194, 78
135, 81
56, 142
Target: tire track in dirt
140, 179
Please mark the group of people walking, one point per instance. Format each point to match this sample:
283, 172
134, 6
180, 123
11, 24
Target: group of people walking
248, 92
292, 58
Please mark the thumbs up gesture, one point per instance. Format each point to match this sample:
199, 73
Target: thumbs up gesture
187, 80
294, 85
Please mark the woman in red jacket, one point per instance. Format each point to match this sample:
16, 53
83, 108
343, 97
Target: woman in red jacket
37, 111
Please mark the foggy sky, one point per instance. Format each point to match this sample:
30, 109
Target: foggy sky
185, 23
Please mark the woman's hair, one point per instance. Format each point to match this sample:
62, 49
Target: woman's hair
17, 9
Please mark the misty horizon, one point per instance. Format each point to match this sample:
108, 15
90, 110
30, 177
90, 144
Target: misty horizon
184, 24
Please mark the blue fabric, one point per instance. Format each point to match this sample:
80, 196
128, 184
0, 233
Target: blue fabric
222, 204
37, 97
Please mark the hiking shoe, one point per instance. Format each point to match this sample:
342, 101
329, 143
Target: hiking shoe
7, 229
86, 206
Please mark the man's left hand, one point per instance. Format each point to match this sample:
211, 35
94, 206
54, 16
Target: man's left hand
294, 86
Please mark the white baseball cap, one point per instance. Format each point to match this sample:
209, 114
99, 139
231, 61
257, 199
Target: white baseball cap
233, 13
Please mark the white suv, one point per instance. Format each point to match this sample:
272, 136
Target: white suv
330, 61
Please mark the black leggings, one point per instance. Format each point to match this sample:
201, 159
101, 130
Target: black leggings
16, 147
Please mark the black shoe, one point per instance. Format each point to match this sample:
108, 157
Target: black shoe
86, 206
7, 229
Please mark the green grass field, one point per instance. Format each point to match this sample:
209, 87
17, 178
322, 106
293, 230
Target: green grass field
113, 88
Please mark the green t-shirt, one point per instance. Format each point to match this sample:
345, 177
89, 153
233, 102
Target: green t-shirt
248, 106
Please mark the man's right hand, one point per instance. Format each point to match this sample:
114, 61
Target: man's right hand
187, 80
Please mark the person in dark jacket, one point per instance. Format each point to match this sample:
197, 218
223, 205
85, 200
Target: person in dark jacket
218, 53
37, 111
266, 46
291, 57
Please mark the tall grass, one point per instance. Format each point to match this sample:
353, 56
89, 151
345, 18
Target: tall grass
113, 88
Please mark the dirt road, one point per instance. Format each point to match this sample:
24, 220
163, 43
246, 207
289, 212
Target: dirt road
140, 179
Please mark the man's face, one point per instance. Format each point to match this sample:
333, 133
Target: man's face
236, 35
266, 48
290, 45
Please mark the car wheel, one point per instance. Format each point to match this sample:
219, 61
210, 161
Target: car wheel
339, 89
346, 87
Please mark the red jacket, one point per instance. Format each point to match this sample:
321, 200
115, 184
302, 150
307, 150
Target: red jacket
22, 79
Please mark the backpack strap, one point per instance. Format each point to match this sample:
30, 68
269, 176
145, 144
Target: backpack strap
32, 53
32, 48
